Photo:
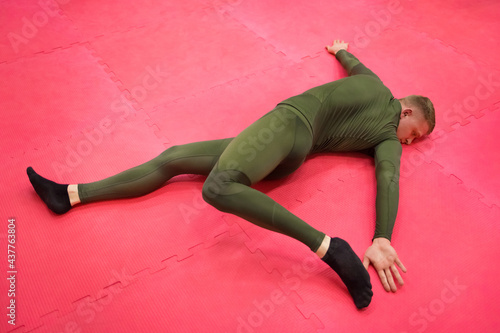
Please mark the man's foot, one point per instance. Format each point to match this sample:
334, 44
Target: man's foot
342, 259
53, 194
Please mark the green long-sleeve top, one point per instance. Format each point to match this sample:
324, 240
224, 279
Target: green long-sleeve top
358, 113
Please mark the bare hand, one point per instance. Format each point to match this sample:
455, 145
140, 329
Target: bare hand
383, 257
337, 46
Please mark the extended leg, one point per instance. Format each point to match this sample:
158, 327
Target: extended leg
279, 138
194, 158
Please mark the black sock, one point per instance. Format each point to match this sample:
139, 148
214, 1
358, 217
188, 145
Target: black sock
53, 194
342, 259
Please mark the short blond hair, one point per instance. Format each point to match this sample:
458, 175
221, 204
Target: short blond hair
424, 105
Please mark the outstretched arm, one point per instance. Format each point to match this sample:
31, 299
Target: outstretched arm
387, 162
352, 65
381, 254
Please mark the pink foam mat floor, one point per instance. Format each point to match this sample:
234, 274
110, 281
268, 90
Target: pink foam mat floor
91, 88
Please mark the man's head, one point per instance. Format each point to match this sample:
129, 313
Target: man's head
417, 118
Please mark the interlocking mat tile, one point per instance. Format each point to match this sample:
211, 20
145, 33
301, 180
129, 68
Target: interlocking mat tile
92, 88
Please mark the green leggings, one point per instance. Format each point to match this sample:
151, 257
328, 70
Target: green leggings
272, 147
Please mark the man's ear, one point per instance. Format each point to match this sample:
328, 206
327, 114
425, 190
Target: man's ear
407, 112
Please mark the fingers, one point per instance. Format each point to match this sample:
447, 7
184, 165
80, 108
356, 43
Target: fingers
400, 264
366, 262
334, 42
383, 279
390, 280
337, 41
397, 275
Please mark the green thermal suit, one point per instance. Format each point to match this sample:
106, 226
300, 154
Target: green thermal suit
356, 113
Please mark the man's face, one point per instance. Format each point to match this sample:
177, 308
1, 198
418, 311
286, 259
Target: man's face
412, 126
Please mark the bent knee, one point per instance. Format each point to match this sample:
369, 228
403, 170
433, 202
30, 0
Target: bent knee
220, 185
210, 192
